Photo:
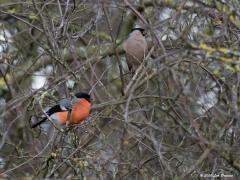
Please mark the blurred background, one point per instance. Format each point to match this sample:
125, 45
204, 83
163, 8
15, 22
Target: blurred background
177, 119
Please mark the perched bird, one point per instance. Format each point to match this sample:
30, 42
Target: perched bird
135, 47
79, 107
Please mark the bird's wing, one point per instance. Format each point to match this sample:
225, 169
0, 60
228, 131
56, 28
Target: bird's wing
65, 104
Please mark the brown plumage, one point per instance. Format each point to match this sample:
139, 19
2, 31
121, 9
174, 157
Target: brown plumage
135, 47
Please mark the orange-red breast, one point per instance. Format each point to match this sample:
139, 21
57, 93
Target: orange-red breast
79, 107
135, 47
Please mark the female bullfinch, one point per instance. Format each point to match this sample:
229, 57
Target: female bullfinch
79, 107
135, 47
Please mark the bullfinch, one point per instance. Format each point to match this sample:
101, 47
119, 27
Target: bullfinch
79, 107
135, 47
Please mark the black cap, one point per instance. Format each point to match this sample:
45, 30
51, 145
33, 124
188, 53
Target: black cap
83, 95
142, 30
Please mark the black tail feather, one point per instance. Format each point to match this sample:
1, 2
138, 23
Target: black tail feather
39, 122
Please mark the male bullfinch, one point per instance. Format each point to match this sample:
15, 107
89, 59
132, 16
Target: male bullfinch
79, 107
135, 47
